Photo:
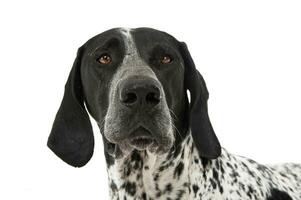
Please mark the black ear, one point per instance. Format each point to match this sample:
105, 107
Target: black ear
201, 129
71, 137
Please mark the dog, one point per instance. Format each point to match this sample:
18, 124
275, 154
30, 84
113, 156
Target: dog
158, 143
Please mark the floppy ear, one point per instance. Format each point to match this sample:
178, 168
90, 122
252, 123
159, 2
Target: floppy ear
201, 129
71, 137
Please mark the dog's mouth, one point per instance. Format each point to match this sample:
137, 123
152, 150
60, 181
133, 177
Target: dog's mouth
141, 139
141, 142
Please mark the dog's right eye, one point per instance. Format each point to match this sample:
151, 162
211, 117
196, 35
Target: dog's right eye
105, 59
166, 59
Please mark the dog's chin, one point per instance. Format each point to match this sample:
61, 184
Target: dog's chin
124, 149
142, 143
150, 146
140, 139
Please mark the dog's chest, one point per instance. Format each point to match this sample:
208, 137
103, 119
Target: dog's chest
144, 176
167, 177
147, 176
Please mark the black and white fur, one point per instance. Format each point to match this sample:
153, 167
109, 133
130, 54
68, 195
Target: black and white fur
182, 158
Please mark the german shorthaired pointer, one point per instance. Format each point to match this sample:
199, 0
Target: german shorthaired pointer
158, 144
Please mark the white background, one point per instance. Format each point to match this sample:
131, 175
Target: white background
248, 52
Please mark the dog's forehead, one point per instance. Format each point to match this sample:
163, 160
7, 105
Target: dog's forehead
148, 38
152, 35
102, 38
139, 38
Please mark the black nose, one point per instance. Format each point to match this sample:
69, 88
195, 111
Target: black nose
140, 92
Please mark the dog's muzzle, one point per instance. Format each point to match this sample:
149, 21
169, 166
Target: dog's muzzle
138, 116
140, 95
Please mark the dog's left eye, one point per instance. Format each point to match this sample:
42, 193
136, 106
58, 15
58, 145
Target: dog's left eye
166, 59
105, 59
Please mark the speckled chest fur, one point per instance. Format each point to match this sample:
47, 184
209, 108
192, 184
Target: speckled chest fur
182, 174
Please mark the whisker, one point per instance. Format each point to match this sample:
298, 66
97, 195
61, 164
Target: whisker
177, 131
102, 122
172, 112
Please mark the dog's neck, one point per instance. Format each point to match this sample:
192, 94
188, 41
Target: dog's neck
143, 175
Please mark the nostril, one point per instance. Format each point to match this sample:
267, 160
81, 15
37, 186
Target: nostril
139, 93
152, 98
130, 98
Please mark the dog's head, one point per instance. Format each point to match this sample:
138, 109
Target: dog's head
134, 84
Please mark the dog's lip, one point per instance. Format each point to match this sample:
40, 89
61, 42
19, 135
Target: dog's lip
141, 138
142, 141
140, 132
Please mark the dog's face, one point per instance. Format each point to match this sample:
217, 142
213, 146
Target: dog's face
134, 84
133, 81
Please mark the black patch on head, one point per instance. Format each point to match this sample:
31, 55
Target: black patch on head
279, 195
71, 137
152, 45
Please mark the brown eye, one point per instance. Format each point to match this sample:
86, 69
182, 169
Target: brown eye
105, 59
166, 59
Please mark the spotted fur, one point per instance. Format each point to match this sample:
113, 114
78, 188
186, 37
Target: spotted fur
184, 175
